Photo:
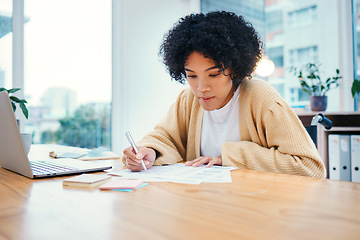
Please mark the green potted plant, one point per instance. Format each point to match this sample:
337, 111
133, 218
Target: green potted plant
14, 100
25, 137
311, 82
355, 91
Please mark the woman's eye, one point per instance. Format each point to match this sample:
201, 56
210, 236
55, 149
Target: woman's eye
191, 76
214, 75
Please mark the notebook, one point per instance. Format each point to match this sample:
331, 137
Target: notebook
13, 156
87, 180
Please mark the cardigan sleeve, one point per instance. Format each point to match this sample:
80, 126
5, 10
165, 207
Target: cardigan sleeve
278, 143
169, 136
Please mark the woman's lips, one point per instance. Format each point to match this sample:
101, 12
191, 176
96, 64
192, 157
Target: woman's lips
207, 99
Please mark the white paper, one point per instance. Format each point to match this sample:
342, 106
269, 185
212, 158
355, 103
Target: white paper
180, 173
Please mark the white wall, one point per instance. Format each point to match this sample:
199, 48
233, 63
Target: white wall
142, 89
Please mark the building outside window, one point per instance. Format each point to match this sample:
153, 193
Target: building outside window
302, 17
294, 32
67, 69
301, 56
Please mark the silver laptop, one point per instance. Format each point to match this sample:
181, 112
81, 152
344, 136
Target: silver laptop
13, 156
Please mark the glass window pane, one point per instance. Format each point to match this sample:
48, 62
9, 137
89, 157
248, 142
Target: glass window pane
253, 11
276, 55
6, 43
302, 17
67, 71
297, 32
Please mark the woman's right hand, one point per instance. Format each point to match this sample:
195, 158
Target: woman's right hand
133, 160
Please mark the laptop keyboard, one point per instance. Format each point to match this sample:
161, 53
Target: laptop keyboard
41, 167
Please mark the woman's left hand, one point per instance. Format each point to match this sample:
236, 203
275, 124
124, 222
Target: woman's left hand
203, 160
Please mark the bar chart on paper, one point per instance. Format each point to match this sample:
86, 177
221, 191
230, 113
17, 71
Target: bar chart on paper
180, 173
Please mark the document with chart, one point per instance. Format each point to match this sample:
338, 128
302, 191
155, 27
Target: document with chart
180, 173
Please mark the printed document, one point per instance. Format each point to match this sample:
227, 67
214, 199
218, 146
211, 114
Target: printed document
180, 173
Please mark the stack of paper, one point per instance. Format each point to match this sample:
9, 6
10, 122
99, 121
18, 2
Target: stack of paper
180, 173
87, 180
100, 153
125, 185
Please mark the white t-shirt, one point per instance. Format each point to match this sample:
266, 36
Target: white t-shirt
220, 125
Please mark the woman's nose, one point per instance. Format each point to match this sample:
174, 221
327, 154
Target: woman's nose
203, 85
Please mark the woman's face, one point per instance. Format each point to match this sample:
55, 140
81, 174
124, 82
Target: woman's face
212, 87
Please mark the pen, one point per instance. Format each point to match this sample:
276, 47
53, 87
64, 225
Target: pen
132, 143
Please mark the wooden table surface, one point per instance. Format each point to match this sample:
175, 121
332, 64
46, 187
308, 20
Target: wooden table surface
256, 205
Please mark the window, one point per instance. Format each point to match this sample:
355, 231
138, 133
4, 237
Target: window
297, 32
276, 54
67, 71
274, 21
293, 94
298, 95
301, 56
6, 43
78, 53
253, 11
302, 17
279, 88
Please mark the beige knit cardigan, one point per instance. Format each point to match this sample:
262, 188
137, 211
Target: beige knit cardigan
272, 136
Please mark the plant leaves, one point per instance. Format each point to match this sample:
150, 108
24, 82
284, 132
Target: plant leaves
24, 109
314, 88
13, 90
305, 86
15, 99
21, 103
13, 106
300, 75
355, 87
310, 80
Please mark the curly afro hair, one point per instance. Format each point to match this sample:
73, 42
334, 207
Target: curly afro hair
223, 36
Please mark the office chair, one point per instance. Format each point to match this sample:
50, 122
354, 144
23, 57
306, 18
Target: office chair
312, 129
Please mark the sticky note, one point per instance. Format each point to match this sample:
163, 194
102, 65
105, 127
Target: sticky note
122, 184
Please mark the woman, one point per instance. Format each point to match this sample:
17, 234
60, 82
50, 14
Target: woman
225, 117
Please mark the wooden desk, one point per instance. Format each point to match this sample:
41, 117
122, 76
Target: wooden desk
257, 205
